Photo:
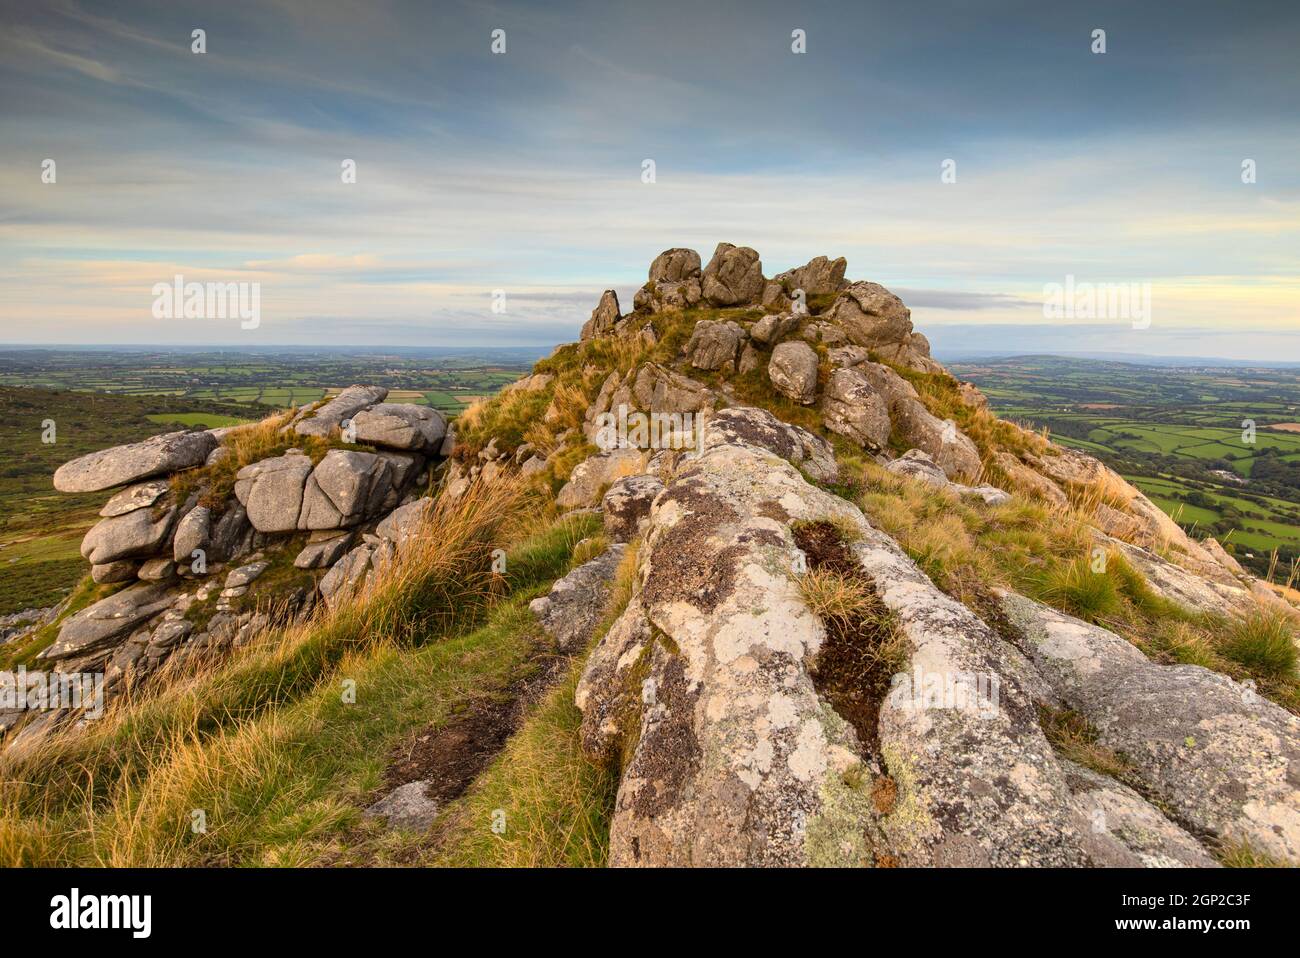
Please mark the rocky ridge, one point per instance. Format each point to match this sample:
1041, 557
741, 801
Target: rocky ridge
196, 570
743, 728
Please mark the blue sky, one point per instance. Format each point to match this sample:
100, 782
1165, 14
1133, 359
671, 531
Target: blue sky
522, 171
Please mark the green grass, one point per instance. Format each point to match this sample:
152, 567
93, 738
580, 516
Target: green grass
264, 743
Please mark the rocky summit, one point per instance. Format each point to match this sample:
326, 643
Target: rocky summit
831, 610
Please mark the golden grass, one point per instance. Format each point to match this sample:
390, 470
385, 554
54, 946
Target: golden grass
109, 794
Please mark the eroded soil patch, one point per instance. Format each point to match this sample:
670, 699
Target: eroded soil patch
863, 649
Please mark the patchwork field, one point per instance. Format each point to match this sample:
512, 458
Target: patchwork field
1218, 449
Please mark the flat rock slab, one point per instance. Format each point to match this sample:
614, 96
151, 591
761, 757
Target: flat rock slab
109, 620
1222, 759
170, 452
576, 603
345, 405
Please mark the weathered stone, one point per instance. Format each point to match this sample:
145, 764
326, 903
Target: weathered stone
1179, 585
589, 479
626, 506
793, 371
404, 523
733, 277
120, 570
1121, 829
346, 575
852, 408
675, 265
951, 449
530, 384
401, 426
245, 574
773, 328
919, 465
1222, 556
657, 389
135, 497
1029, 481
323, 549
193, 531
332, 414
133, 534
715, 345
109, 620
871, 315
1220, 757
817, 277
828, 334
161, 569
345, 488
603, 317
170, 452
576, 603
271, 491
407, 807
232, 534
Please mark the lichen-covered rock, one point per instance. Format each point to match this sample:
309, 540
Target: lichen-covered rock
871, 315
816, 277
793, 371
324, 420
675, 265
1222, 556
347, 575
626, 506
576, 603
1221, 758
734, 757
135, 497
828, 334
734, 276
1121, 829
271, 491
919, 465
657, 389
950, 448
715, 344
852, 408
603, 318
746, 425
120, 570
401, 426
773, 328
1029, 481
590, 478
1179, 585
170, 452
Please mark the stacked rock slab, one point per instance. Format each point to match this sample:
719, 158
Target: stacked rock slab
175, 546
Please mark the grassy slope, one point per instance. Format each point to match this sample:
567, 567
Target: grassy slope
263, 743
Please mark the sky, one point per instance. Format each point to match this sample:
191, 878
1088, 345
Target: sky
522, 171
